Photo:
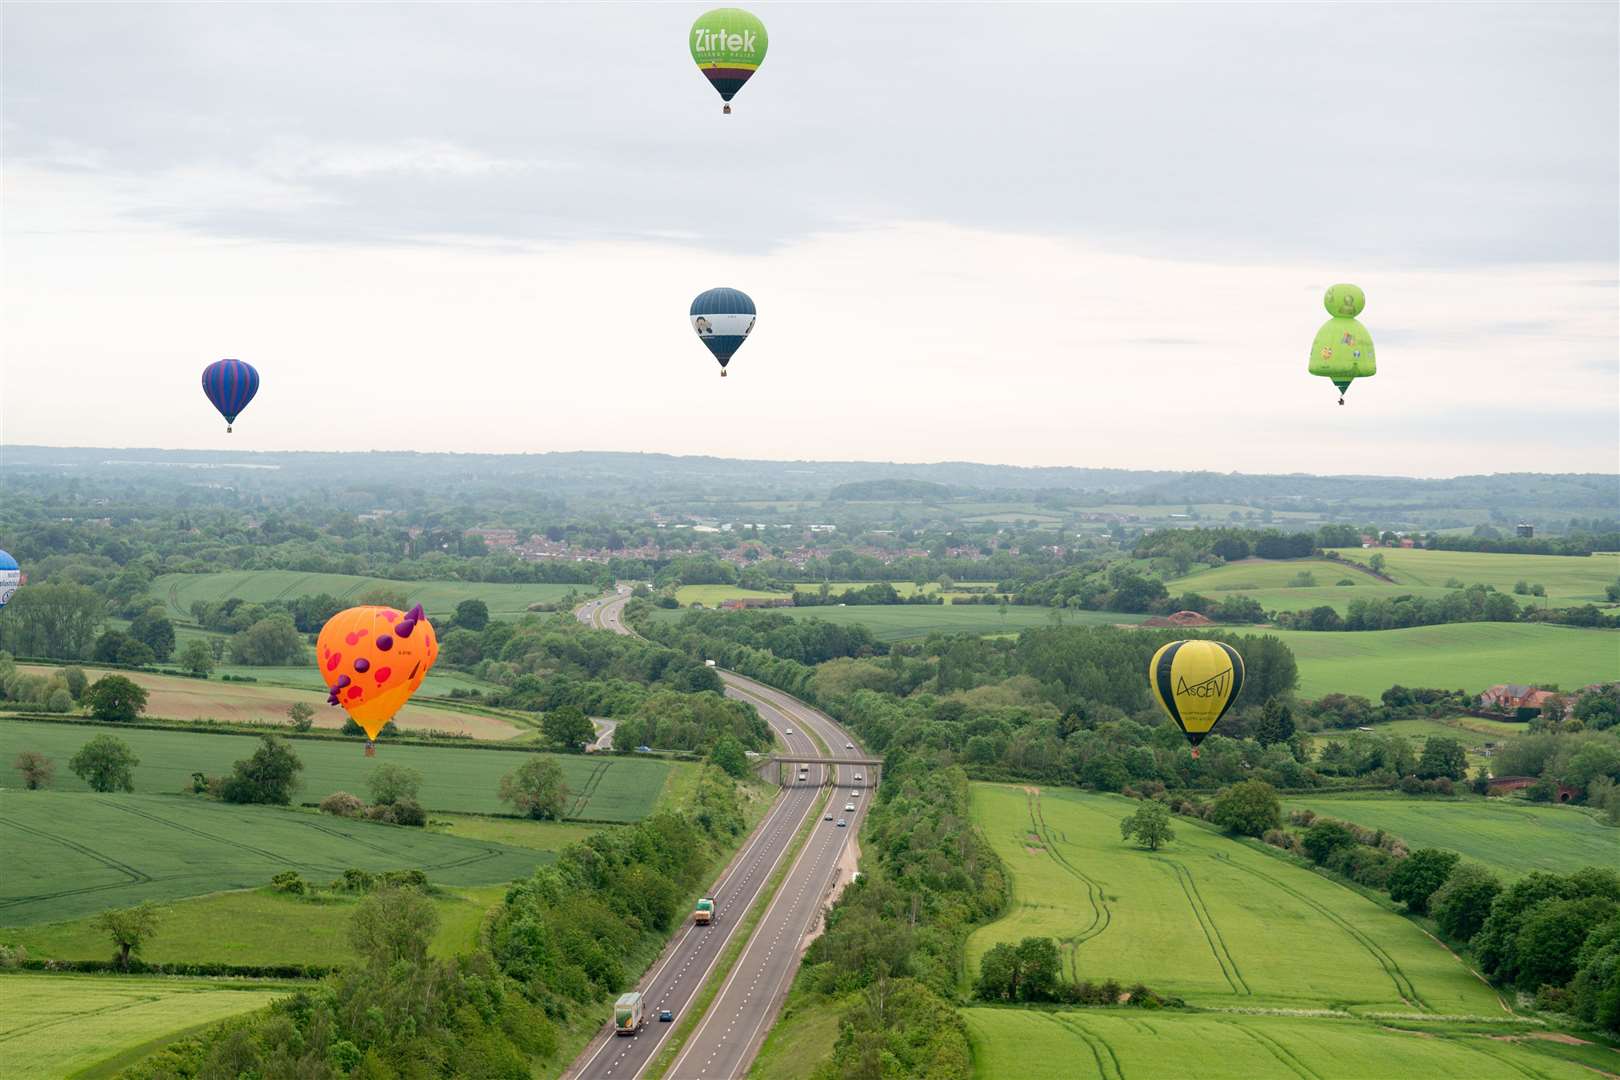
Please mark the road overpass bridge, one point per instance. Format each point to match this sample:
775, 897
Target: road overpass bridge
783, 768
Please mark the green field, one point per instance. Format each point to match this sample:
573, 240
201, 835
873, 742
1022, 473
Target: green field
255, 926
1510, 836
179, 591
1116, 1044
605, 788
904, 588
180, 697
1207, 918
1568, 578
1268, 583
1467, 656
902, 622
713, 595
57, 1025
70, 854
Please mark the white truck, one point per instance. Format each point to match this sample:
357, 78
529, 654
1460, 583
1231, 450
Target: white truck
627, 1018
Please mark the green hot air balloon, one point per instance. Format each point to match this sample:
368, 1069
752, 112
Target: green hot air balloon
728, 45
1343, 350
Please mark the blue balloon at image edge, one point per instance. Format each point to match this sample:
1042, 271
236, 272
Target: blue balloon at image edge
230, 385
723, 319
10, 577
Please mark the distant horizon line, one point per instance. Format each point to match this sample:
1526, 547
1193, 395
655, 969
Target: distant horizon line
4, 447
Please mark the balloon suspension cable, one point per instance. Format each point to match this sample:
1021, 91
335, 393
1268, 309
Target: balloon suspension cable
371, 748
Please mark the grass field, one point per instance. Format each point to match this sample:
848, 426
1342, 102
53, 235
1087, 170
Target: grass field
1468, 656
904, 588
466, 780
1207, 918
255, 926
900, 622
1268, 583
57, 1025
69, 854
175, 697
712, 595
179, 591
1115, 1044
1510, 836
1568, 578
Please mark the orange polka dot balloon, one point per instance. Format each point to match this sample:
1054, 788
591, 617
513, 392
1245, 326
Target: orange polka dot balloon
373, 659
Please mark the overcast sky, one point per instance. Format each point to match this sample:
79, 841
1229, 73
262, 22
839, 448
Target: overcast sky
1043, 234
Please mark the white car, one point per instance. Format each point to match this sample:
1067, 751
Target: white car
847, 746
849, 808
857, 778
789, 731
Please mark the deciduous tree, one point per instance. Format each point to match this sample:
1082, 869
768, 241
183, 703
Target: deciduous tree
113, 697
129, 928
268, 776
536, 788
106, 764
36, 769
1150, 825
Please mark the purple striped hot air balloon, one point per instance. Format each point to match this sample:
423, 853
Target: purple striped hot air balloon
230, 385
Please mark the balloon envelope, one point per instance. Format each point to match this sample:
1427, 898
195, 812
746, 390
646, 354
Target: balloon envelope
373, 659
10, 577
1195, 682
230, 385
1343, 349
728, 44
723, 319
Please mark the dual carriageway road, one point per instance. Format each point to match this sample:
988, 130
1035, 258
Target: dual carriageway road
738, 1018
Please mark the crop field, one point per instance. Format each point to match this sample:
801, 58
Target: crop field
1207, 918
1467, 656
900, 622
56, 1025
439, 682
69, 854
179, 591
1270, 583
1114, 1044
713, 595
176, 697
256, 926
466, 780
1568, 578
904, 588
1510, 836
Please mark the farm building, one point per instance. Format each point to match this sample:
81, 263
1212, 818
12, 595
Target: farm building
1180, 618
1510, 697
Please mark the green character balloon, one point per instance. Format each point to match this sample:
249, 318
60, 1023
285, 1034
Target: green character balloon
728, 44
1343, 350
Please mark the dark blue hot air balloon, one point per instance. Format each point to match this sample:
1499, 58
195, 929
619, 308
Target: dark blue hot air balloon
723, 318
230, 385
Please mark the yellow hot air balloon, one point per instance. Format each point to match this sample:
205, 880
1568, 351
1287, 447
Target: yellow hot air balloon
373, 659
1195, 682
